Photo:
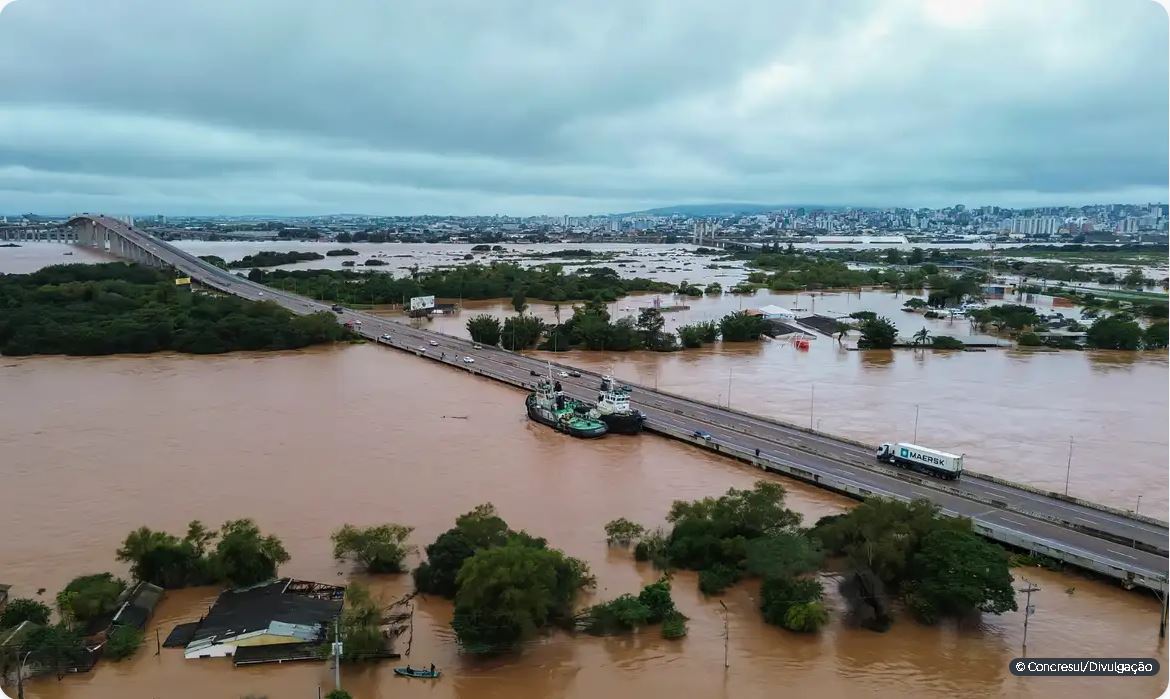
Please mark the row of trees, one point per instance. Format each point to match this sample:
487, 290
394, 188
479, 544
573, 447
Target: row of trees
1117, 331
1122, 332
473, 281
590, 327
237, 554
125, 308
272, 258
686, 288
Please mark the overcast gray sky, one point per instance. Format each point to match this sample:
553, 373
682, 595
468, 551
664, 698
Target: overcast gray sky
474, 107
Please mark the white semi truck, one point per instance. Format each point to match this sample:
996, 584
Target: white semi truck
922, 459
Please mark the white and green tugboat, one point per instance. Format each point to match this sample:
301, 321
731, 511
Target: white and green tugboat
549, 405
613, 406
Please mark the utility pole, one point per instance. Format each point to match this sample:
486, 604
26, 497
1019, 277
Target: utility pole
1029, 610
1068, 469
916, 424
726, 635
336, 655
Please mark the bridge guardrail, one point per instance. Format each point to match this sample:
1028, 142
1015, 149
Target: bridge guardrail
1068, 498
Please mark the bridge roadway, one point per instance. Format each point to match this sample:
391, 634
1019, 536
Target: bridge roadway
1113, 539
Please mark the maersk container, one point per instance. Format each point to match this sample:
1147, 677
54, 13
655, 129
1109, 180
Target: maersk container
920, 458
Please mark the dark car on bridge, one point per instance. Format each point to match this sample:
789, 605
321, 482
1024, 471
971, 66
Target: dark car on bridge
337, 308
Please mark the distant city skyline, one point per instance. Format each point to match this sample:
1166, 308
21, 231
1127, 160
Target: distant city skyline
293, 108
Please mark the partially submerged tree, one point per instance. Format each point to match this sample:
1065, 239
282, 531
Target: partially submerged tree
623, 532
506, 593
361, 621
877, 333
244, 556
484, 329
166, 560
377, 549
122, 642
87, 597
20, 609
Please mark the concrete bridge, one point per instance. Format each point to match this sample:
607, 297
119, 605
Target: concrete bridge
38, 233
1111, 542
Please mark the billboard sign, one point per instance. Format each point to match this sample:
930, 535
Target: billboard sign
421, 303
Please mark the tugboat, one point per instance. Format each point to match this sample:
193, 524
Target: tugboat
613, 405
548, 405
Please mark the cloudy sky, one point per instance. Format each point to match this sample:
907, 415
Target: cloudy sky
472, 107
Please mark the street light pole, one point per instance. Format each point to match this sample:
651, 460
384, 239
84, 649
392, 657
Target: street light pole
20, 676
729, 388
812, 392
1068, 469
916, 424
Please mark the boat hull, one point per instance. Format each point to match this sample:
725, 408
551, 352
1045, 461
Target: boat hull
544, 418
418, 674
624, 423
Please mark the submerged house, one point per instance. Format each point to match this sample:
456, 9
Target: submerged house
284, 612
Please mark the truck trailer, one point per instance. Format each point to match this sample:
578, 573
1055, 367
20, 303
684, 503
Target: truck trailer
922, 459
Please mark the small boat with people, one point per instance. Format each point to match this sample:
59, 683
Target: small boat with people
421, 673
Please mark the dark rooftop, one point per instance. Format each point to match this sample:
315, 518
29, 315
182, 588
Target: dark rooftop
254, 608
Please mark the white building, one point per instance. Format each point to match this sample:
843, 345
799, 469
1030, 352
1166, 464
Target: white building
776, 313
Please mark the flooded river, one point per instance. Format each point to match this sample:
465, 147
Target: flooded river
304, 441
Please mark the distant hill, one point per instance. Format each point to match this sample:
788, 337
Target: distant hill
719, 209
726, 209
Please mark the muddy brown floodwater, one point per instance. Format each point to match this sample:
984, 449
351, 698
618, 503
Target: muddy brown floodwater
305, 441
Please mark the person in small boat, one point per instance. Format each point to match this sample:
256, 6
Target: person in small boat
409, 669
432, 668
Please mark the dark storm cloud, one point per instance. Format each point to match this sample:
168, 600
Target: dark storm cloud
521, 107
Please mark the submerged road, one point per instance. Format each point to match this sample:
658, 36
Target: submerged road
1112, 537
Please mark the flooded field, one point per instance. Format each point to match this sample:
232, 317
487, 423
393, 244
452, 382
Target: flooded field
305, 441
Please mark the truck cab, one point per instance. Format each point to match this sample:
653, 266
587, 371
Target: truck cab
885, 452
